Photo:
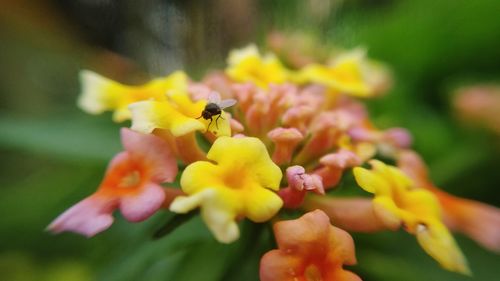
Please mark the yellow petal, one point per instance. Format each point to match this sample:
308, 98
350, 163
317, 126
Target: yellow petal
370, 181
217, 215
386, 210
261, 204
198, 175
177, 81
185, 105
221, 223
247, 65
249, 154
149, 115
422, 202
437, 241
122, 113
185, 204
395, 177
235, 185
98, 93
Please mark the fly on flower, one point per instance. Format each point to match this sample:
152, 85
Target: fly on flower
214, 107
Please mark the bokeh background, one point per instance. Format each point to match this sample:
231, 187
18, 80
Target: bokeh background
52, 154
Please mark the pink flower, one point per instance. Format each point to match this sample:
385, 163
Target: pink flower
309, 248
334, 165
131, 184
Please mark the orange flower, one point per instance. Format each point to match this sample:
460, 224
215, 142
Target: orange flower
309, 248
132, 184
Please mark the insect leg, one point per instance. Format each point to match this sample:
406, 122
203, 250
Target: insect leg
208, 127
217, 124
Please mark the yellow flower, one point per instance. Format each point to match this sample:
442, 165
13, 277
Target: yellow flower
346, 75
399, 202
177, 114
247, 65
100, 94
240, 183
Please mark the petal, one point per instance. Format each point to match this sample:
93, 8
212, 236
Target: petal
261, 204
413, 165
178, 80
342, 275
249, 153
387, 212
185, 105
185, 204
140, 206
305, 235
149, 115
198, 175
221, 223
395, 177
122, 113
236, 56
479, 221
98, 93
220, 126
437, 241
216, 210
153, 152
344, 77
370, 181
276, 265
422, 202
88, 217
341, 246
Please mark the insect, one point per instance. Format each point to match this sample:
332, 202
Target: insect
214, 107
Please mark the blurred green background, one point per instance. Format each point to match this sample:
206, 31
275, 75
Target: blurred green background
53, 155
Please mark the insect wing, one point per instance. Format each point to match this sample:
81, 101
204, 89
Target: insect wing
226, 103
214, 97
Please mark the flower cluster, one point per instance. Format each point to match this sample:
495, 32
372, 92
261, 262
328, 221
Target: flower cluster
259, 139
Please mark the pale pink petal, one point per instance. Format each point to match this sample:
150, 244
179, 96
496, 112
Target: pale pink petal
299, 180
298, 184
341, 159
398, 137
153, 152
141, 205
362, 134
88, 217
294, 176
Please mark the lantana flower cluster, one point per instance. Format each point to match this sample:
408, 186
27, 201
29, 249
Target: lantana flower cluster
284, 144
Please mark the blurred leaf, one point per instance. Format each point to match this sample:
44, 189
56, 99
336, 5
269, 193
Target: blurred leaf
68, 138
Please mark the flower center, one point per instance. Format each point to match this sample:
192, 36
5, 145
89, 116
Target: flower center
131, 180
312, 273
236, 178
